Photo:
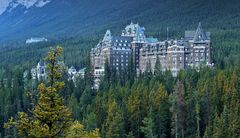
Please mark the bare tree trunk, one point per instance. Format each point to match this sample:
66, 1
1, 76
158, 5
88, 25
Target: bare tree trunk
182, 133
198, 129
176, 129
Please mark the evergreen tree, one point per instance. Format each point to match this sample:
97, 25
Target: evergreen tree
134, 109
77, 130
49, 117
131, 70
178, 109
158, 68
114, 122
107, 71
90, 121
130, 135
148, 127
160, 111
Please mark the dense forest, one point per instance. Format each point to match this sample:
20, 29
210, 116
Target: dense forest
201, 103
197, 103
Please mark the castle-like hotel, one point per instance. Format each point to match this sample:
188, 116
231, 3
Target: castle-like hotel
192, 51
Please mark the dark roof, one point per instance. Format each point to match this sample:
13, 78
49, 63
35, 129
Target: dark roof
41, 63
191, 34
198, 34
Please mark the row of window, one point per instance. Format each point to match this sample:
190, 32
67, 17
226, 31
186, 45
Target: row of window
120, 44
99, 72
121, 41
122, 64
121, 52
122, 60
122, 56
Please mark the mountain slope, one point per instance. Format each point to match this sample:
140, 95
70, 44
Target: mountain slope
66, 18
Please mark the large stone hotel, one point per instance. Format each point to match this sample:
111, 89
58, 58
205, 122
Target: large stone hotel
190, 52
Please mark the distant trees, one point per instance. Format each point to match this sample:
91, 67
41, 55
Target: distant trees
158, 68
49, 117
114, 124
178, 110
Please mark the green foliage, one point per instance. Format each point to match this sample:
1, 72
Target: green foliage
49, 117
201, 104
148, 127
157, 70
77, 131
114, 125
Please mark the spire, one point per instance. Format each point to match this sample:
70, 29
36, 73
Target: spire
107, 36
41, 63
200, 35
167, 32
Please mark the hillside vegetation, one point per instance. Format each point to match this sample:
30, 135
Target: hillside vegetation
62, 18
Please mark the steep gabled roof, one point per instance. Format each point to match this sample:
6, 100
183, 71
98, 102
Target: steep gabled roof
107, 37
41, 63
200, 34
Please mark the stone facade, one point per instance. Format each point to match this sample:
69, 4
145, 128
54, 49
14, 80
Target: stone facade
39, 72
117, 50
192, 51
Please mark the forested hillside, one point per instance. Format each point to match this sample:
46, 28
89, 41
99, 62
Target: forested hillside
203, 103
221, 18
61, 18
